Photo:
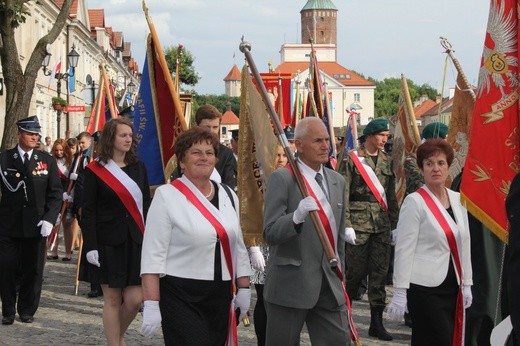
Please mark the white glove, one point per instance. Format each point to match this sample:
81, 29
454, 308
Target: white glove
242, 301
468, 297
397, 307
350, 235
394, 236
46, 228
151, 318
93, 257
67, 197
306, 205
257, 258
73, 176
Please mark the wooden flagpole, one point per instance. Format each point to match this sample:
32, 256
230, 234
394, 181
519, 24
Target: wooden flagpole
245, 48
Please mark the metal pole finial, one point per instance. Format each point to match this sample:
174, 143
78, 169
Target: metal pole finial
244, 45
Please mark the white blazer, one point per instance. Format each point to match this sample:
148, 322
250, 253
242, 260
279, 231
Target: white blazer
422, 253
179, 241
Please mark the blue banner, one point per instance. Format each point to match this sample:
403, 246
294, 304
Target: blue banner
146, 132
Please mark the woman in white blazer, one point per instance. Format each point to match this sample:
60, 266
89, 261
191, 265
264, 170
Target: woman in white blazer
431, 277
194, 257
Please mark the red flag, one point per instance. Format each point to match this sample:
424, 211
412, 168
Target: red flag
493, 158
278, 85
97, 116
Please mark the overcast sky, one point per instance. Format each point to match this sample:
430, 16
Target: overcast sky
378, 38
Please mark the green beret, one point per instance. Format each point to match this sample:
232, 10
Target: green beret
375, 126
435, 130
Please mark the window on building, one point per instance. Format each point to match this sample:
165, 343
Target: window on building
357, 97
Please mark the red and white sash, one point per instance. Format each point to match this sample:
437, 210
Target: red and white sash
329, 224
63, 171
370, 178
452, 233
124, 187
210, 213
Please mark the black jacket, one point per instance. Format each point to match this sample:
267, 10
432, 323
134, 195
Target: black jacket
105, 220
227, 166
23, 209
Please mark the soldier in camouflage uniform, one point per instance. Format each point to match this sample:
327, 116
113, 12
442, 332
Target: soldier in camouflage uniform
414, 179
368, 224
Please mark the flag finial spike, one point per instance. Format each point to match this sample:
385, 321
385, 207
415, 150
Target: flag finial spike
244, 45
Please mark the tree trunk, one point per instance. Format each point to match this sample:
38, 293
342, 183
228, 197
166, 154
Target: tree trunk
19, 85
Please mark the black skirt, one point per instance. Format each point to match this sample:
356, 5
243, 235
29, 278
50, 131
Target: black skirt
120, 265
432, 310
194, 312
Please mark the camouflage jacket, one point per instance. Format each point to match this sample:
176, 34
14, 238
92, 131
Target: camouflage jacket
363, 212
414, 179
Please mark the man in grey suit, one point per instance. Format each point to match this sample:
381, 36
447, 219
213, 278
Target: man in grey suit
300, 285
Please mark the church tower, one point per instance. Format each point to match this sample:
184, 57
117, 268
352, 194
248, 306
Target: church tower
319, 22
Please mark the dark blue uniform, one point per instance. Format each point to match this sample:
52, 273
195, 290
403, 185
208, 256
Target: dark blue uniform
29, 195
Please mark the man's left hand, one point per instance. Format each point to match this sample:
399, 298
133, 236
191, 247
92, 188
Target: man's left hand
46, 228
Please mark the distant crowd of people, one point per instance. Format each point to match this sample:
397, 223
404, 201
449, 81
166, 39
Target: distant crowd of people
181, 257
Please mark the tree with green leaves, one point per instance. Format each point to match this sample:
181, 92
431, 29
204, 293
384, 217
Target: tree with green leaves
386, 96
219, 101
186, 70
19, 83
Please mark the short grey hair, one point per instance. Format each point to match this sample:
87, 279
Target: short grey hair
302, 128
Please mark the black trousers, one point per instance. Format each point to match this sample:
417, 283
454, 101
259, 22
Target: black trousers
433, 311
194, 312
21, 263
260, 315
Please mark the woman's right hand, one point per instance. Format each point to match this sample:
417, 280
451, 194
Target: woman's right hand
151, 318
397, 307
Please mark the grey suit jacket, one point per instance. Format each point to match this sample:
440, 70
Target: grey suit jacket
297, 263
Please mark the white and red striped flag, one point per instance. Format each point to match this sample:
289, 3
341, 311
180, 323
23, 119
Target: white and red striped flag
56, 69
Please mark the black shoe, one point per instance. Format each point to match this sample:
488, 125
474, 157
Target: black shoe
52, 257
95, 293
66, 259
26, 318
6, 320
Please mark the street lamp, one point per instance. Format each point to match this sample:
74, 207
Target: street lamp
131, 87
72, 59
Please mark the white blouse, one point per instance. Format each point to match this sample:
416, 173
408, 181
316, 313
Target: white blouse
179, 241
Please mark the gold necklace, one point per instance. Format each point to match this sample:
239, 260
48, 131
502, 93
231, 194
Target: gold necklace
210, 190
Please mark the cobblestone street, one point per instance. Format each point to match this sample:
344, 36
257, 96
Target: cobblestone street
64, 318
